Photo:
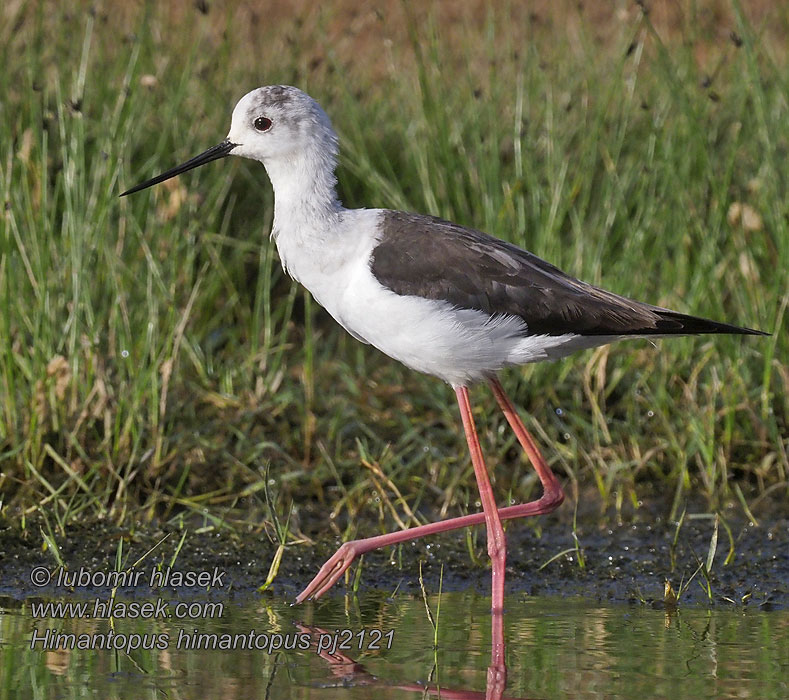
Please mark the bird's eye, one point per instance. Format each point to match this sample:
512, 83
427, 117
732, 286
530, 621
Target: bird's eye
262, 123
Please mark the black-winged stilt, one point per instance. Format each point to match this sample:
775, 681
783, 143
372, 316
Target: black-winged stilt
441, 298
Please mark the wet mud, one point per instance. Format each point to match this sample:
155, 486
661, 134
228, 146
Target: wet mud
619, 562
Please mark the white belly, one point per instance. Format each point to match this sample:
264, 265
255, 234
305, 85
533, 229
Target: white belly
460, 346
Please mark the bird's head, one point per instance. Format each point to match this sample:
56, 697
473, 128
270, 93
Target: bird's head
278, 125
280, 122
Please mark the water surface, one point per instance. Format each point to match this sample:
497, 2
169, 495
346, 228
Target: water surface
555, 648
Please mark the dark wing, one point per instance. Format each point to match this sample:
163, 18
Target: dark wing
425, 256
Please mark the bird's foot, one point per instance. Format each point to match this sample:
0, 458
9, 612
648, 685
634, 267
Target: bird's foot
331, 571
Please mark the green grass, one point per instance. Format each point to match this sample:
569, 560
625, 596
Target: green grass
154, 360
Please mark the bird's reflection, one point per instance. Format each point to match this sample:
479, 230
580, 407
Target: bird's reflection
350, 672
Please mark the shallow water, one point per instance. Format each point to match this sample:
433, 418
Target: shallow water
571, 648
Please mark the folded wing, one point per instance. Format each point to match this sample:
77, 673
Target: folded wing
429, 257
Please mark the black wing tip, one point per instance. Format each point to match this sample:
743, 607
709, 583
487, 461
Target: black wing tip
734, 330
682, 324
753, 331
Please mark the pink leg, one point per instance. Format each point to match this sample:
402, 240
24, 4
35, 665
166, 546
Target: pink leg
497, 544
552, 495
551, 499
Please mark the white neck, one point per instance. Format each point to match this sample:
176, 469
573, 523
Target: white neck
305, 198
306, 211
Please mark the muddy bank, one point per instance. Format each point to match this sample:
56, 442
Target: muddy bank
621, 563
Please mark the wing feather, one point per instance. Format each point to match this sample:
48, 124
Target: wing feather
429, 257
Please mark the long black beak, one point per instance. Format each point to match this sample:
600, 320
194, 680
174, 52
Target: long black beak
214, 153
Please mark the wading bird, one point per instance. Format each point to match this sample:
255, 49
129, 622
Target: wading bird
442, 299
